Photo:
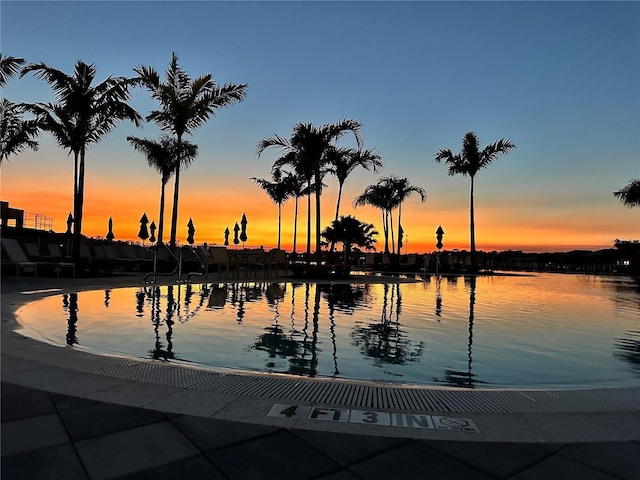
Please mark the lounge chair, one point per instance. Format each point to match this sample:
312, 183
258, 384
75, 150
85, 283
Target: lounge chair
277, 259
18, 258
58, 257
218, 256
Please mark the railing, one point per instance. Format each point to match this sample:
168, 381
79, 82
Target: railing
37, 221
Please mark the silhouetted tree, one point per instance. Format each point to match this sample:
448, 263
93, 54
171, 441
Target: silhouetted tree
379, 195
343, 161
469, 161
402, 189
85, 114
278, 190
162, 155
630, 194
185, 105
350, 231
310, 144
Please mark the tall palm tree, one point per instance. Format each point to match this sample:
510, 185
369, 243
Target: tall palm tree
16, 134
379, 195
278, 191
303, 171
185, 105
343, 161
296, 188
163, 155
469, 161
630, 194
312, 143
87, 112
402, 190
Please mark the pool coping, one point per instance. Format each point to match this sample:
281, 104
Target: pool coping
523, 415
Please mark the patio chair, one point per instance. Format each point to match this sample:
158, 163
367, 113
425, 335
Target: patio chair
18, 258
277, 259
219, 258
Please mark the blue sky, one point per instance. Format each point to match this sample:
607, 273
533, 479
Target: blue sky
560, 79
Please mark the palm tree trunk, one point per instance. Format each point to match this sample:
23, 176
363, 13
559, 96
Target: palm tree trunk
399, 227
318, 193
333, 240
472, 227
385, 229
279, 222
77, 232
295, 226
174, 214
309, 225
393, 240
161, 215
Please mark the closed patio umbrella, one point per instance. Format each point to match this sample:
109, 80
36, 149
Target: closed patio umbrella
69, 223
226, 236
143, 234
110, 236
152, 227
243, 233
236, 229
191, 230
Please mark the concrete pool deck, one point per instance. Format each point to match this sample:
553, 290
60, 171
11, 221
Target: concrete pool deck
77, 415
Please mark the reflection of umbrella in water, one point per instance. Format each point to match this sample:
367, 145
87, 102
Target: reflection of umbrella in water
69, 223
236, 229
243, 233
143, 234
152, 227
226, 236
110, 236
191, 230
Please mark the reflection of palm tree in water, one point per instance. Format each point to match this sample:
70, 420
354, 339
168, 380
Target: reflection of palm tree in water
158, 353
385, 342
300, 364
70, 305
468, 378
274, 341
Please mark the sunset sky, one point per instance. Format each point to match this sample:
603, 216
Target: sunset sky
559, 79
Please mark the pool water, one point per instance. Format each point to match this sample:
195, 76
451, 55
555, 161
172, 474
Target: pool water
544, 330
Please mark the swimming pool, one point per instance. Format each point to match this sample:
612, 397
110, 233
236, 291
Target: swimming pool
547, 330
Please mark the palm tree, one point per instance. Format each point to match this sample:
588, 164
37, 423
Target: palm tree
278, 191
379, 195
16, 134
402, 190
162, 155
310, 144
85, 113
296, 188
343, 161
185, 105
468, 162
350, 231
630, 195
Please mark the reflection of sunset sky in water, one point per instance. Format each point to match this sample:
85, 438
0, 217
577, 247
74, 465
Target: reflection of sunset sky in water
546, 330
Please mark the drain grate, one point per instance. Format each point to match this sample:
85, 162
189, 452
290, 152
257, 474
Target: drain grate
340, 393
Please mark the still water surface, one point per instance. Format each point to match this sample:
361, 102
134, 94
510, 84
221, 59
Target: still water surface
559, 331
